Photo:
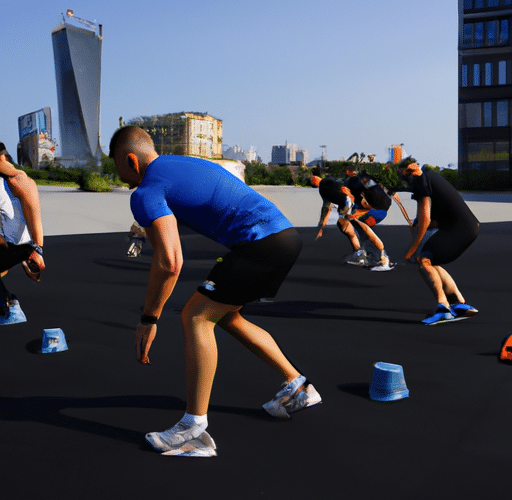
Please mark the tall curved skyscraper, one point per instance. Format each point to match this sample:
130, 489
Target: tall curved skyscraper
77, 53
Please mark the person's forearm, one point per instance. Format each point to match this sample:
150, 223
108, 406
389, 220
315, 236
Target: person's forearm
423, 224
32, 214
160, 287
324, 215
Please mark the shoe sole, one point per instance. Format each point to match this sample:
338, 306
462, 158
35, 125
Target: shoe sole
467, 314
441, 322
202, 446
381, 269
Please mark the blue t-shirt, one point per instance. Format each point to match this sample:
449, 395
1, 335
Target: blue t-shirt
207, 198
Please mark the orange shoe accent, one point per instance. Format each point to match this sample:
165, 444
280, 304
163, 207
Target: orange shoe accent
316, 180
506, 349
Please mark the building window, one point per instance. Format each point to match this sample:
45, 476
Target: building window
480, 34
492, 3
488, 74
478, 153
467, 35
502, 114
473, 115
504, 31
491, 33
464, 75
476, 75
487, 114
502, 155
488, 155
502, 73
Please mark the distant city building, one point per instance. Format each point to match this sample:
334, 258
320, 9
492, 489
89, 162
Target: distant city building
189, 134
302, 156
395, 153
237, 153
289, 153
36, 147
485, 85
77, 53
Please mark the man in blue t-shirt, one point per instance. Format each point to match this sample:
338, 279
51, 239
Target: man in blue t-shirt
263, 247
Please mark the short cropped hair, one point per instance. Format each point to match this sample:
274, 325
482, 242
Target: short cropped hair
133, 138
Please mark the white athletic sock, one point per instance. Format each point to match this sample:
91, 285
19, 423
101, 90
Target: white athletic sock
199, 420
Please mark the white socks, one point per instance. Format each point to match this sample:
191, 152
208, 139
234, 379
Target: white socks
199, 420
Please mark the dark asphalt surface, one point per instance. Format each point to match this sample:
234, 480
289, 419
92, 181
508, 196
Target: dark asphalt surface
72, 424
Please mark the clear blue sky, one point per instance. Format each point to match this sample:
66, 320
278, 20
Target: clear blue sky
356, 76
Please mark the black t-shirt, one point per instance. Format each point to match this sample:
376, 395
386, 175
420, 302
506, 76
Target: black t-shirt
448, 208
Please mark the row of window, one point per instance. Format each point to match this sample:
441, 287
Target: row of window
482, 4
485, 33
487, 155
485, 74
484, 114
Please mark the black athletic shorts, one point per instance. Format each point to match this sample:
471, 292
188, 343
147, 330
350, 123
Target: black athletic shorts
253, 270
444, 246
11, 254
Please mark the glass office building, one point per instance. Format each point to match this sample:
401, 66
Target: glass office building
485, 86
77, 53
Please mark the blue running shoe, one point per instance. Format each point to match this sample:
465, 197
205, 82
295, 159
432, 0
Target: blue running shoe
463, 310
442, 315
13, 315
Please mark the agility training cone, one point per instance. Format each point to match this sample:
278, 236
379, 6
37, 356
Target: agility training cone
388, 382
13, 315
53, 341
506, 349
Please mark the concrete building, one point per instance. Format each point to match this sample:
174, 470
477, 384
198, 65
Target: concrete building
283, 155
77, 52
237, 153
288, 154
485, 86
185, 133
36, 147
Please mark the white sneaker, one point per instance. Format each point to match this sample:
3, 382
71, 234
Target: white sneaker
182, 440
307, 397
384, 264
358, 258
287, 401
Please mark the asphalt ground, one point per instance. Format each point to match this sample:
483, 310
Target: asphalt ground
72, 424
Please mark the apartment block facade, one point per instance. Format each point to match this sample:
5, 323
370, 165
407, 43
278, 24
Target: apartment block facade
485, 86
185, 133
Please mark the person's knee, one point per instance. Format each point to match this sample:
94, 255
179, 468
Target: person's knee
342, 224
424, 263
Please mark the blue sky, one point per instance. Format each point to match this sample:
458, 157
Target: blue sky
356, 76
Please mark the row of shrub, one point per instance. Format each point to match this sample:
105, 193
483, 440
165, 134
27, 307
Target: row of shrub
90, 178
477, 180
105, 178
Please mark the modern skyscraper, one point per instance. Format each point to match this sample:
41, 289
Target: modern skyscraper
485, 87
77, 53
